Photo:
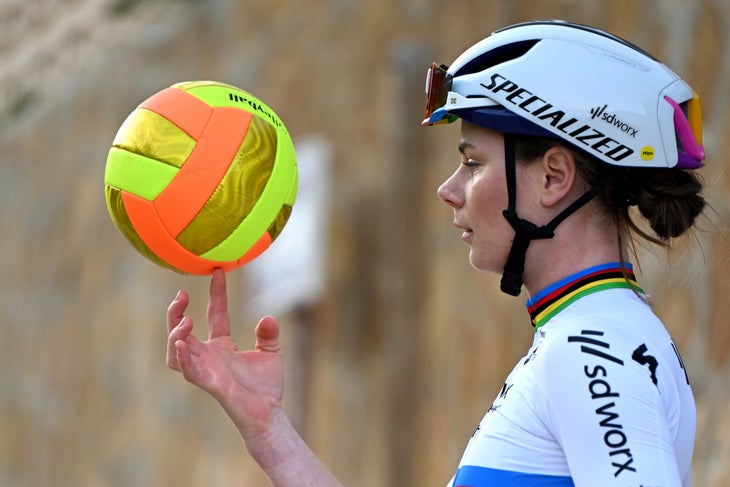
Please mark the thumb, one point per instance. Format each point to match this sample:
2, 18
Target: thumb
267, 335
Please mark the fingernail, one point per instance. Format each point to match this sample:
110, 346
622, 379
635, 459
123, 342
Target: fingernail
177, 296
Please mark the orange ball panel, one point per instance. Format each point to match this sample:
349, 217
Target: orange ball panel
153, 233
183, 109
255, 250
202, 172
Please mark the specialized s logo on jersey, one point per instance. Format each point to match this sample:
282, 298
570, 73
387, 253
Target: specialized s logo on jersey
501, 397
642, 358
605, 397
508, 385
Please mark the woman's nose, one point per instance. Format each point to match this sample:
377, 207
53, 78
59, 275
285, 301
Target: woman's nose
449, 194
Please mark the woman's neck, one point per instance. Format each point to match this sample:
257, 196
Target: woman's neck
580, 242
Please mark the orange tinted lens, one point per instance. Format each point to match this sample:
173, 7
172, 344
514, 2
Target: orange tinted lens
438, 83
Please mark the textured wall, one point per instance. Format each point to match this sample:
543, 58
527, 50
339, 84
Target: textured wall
408, 346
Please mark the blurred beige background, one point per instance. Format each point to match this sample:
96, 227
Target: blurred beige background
392, 366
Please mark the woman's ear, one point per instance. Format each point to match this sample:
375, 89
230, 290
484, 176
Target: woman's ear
559, 175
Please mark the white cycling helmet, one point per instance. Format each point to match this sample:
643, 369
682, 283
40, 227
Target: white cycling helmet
573, 82
588, 87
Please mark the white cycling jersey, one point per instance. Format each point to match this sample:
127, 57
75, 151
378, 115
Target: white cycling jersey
601, 399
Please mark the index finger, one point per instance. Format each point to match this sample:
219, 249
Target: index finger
219, 323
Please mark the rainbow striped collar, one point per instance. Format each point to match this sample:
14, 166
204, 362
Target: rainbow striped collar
556, 297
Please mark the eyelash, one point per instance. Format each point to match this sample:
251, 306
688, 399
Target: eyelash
471, 163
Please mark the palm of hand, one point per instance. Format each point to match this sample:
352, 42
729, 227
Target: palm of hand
248, 384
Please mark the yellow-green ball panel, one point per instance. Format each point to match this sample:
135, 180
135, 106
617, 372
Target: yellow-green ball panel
138, 174
223, 95
285, 154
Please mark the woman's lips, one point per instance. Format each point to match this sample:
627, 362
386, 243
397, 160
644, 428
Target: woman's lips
466, 234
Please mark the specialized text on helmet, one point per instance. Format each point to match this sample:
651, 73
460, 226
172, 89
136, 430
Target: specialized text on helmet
545, 112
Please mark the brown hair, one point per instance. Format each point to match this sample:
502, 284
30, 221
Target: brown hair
669, 199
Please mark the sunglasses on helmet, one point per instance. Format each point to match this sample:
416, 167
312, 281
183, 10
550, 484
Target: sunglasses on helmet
438, 85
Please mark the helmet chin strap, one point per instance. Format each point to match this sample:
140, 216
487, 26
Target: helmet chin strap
525, 231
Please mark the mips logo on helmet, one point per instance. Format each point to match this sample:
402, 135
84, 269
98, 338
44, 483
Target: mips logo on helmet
610, 118
545, 112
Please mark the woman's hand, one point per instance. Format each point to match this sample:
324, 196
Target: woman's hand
248, 384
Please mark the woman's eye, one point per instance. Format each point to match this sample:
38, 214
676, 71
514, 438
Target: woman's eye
470, 163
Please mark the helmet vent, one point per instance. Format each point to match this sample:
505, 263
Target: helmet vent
496, 56
583, 27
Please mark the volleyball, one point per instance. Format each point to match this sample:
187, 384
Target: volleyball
201, 175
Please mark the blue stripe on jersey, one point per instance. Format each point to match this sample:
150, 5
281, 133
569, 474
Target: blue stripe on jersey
474, 476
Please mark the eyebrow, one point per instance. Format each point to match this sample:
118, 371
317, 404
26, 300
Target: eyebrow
464, 145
